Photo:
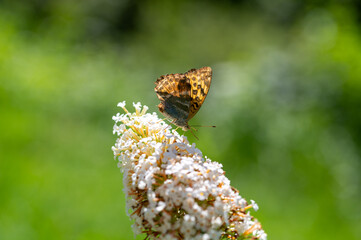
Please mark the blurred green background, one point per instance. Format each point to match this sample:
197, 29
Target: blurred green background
285, 97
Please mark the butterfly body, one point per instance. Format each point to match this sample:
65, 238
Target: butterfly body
182, 95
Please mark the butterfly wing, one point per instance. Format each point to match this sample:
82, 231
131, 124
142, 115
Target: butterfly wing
200, 82
174, 92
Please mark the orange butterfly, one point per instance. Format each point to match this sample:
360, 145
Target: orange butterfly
182, 95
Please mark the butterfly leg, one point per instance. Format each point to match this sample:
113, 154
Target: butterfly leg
162, 120
195, 129
194, 134
169, 124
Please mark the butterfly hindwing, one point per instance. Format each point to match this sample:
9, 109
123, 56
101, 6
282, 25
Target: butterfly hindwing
173, 90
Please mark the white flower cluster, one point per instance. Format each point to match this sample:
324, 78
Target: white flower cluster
173, 192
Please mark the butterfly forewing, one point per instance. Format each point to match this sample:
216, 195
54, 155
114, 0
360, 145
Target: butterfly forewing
172, 84
200, 81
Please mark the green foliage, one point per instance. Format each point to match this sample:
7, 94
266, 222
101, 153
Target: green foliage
285, 97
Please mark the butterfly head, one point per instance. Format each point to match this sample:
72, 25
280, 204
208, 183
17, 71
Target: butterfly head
185, 127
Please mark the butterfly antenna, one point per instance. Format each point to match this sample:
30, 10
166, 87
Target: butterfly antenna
203, 126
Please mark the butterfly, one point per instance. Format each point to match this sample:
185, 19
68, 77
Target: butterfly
182, 95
